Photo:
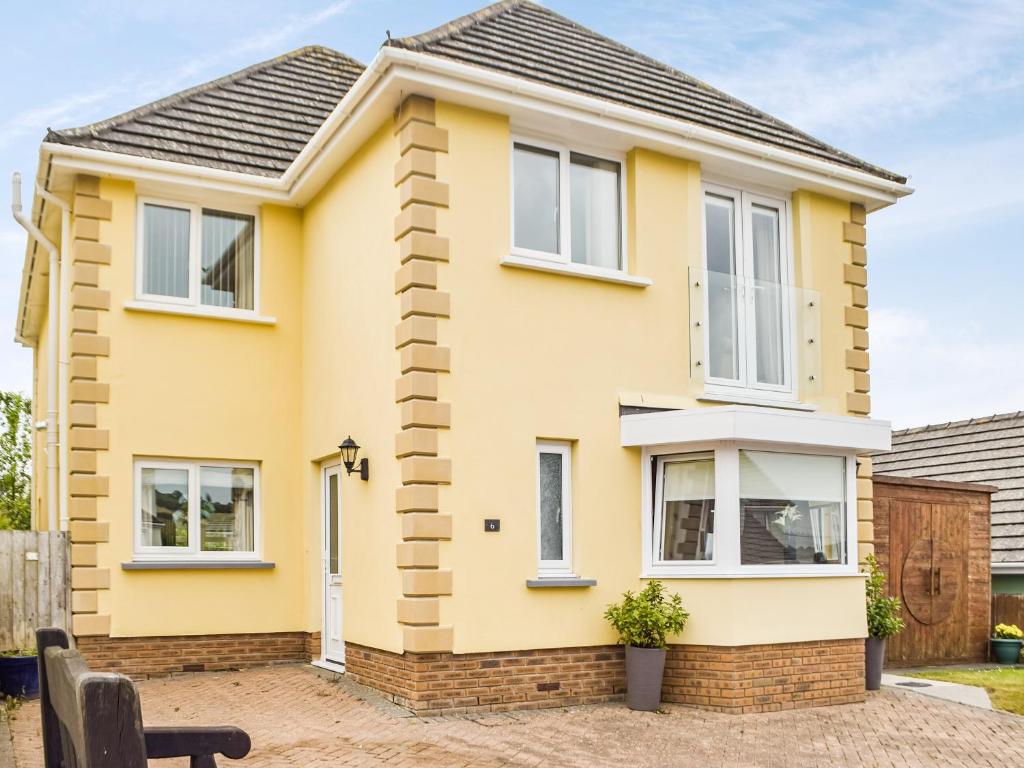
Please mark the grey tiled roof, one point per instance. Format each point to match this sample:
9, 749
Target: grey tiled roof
255, 121
258, 120
988, 450
522, 39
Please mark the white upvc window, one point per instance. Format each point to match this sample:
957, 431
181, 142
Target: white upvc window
748, 307
188, 509
568, 206
554, 509
731, 509
190, 255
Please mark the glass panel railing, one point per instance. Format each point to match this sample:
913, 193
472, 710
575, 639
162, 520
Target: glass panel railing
754, 332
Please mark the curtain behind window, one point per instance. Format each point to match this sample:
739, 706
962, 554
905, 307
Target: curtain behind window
596, 230
165, 251
768, 296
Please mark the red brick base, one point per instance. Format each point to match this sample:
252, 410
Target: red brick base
752, 678
142, 657
756, 678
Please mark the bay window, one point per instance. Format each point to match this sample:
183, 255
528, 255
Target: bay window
196, 509
198, 256
567, 206
725, 510
748, 306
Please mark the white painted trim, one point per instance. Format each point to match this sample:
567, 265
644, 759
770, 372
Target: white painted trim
575, 270
727, 508
556, 568
192, 553
327, 469
756, 425
203, 311
1007, 569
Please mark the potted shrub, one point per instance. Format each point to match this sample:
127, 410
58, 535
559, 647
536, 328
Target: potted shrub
884, 621
644, 622
1006, 642
19, 673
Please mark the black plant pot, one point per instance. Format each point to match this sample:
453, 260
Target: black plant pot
19, 676
645, 669
874, 659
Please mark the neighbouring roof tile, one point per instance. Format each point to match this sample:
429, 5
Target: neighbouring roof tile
987, 450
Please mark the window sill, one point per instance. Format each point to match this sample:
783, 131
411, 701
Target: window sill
211, 313
727, 576
196, 565
718, 396
576, 270
560, 583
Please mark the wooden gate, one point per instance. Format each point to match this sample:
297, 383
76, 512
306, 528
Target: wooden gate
933, 540
35, 580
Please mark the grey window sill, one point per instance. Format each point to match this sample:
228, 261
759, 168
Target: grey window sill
560, 583
195, 565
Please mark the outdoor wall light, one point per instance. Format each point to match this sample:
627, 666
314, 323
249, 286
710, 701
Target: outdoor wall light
349, 450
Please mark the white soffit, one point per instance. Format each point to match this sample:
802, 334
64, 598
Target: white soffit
751, 424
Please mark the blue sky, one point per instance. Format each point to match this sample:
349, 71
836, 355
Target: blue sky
931, 89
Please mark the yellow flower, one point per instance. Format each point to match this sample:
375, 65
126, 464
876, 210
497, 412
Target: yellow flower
1008, 632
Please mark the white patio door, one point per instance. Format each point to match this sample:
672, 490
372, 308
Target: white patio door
332, 643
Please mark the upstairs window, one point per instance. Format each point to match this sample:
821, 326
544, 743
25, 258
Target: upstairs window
566, 206
197, 256
748, 302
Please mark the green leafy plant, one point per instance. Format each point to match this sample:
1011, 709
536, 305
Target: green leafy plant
646, 620
1007, 632
18, 652
15, 458
884, 619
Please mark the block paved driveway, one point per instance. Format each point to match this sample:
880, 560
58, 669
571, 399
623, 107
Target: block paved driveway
298, 718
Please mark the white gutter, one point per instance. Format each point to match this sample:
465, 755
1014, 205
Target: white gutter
64, 331
51, 342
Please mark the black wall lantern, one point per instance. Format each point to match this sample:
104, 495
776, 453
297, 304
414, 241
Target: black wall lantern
349, 450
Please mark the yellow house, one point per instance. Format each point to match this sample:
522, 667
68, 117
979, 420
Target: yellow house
589, 320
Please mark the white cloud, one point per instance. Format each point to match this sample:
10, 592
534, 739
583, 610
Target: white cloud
841, 70
925, 371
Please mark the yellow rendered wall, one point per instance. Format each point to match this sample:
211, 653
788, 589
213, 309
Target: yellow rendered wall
349, 366
536, 355
201, 388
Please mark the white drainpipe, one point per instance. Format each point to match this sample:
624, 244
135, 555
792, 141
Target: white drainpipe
51, 349
64, 336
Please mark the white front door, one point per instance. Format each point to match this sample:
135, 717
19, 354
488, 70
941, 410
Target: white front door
332, 644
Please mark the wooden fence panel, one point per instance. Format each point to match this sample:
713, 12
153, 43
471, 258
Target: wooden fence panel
1008, 609
35, 581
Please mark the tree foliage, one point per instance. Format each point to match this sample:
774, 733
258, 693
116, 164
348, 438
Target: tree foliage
647, 619
15, 461
884, 619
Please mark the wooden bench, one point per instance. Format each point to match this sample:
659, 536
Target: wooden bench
93, 719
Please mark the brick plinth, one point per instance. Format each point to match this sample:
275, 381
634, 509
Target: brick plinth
756, 678
143, 657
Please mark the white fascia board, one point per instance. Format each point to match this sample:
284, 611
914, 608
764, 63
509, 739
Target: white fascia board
1007, 569
758, 425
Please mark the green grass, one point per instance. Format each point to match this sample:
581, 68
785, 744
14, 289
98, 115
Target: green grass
1005, 686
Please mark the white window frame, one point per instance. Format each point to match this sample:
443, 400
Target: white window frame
746, 385
556, 568
192, 552
564, 257
726, 562
192, 301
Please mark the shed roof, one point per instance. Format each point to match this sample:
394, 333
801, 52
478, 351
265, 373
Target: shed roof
257, 121
984, 450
